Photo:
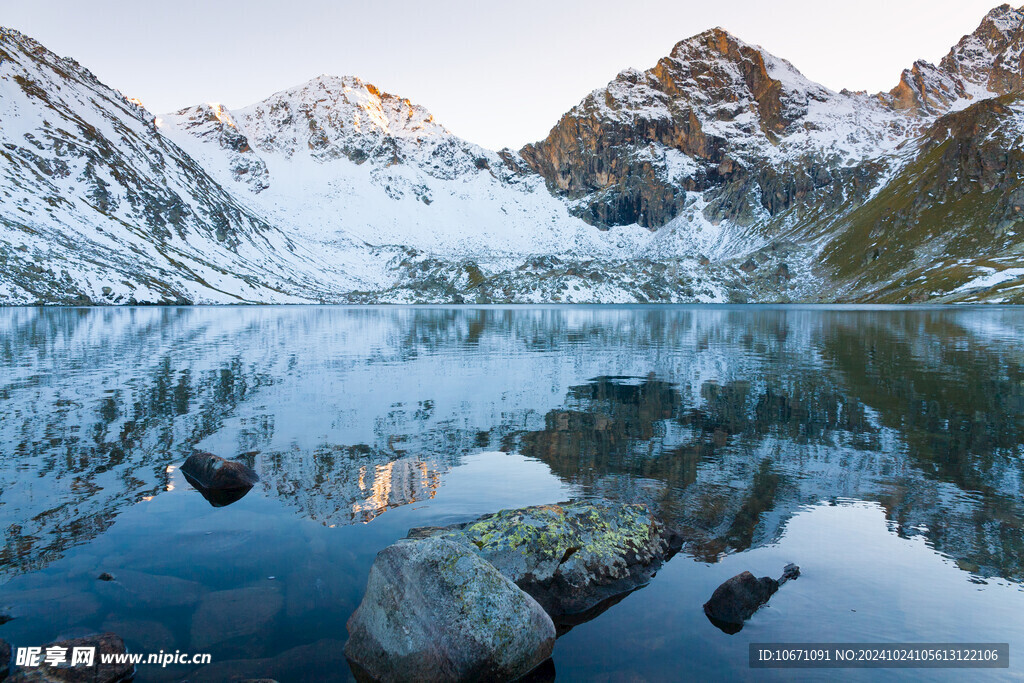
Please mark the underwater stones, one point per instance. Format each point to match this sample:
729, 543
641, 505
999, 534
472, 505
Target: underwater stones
434, 610
132, 588
140, 635
99, 672
737, 599
226, 615
220, 481
573, 557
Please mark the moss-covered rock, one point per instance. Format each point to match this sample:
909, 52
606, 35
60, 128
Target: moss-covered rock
574, 558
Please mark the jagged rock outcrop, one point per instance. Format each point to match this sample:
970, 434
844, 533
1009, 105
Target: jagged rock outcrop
984, 62
711, 114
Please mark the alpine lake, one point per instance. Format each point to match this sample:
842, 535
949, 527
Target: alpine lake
879, 448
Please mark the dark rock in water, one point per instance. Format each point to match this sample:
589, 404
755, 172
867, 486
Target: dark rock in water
575, 559
5, 616
105, 576
434, 610
220, 481
216, 497
104, 644
5, 659
737, 599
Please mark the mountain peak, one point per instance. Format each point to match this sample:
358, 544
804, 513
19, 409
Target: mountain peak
990, 57
983, 63
1004, 18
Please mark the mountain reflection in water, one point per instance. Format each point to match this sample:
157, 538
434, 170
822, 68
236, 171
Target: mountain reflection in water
726, 420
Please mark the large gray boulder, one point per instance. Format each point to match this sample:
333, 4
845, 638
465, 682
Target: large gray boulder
435, 611
573, 558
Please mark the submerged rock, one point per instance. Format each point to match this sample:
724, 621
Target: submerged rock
434, 610
135, 589
737, 599
5, 659
220, 481
104, 644
575, 559
235, 613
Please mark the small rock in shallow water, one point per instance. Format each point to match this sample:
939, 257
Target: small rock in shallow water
220, 481
104, 644
737, 599
434, 611
105, 576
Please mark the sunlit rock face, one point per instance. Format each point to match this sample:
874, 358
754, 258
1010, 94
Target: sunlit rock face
720, 116
704, 117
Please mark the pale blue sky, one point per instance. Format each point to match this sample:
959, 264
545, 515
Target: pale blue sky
497, 73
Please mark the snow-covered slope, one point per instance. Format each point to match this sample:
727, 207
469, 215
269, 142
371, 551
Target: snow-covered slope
98, 206
720, 174
342, 162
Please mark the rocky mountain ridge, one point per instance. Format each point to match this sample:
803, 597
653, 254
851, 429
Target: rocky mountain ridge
720, 174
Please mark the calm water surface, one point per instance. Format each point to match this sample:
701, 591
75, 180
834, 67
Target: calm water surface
882, 450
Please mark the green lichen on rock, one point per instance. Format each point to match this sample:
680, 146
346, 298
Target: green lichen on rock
571, 557
554, 531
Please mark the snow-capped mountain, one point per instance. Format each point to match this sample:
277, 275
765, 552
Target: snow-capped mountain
720, 174
372, 168
98, 206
